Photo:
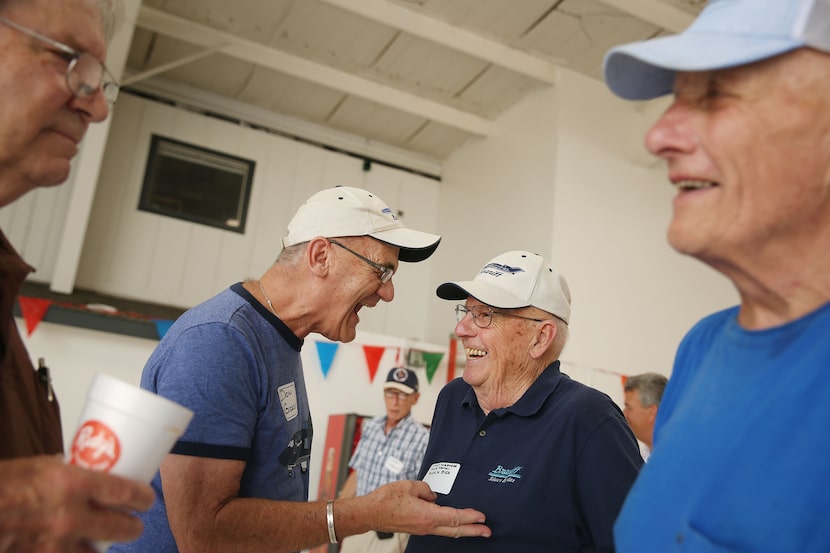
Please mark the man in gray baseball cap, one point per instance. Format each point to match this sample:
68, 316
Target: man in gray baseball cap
547, 459
740, 448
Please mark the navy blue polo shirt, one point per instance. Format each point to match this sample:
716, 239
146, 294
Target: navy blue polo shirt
550, 472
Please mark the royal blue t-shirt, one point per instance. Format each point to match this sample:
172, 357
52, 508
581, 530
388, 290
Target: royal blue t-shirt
741, 458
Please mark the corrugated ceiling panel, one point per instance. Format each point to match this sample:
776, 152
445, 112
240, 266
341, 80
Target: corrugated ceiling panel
375, 121
285, 94
433, 139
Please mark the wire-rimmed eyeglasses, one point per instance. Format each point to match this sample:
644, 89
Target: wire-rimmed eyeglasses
396, 394
85, 73
386, 273
483, 315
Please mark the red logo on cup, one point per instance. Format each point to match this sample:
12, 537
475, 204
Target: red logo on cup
95, 447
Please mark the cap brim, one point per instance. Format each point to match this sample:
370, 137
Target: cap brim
645, 70
398, 386
414, 245
482, 291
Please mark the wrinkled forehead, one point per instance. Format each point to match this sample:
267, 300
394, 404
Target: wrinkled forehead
80, 24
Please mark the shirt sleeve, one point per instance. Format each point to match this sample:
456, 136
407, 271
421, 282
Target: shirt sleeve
210, 370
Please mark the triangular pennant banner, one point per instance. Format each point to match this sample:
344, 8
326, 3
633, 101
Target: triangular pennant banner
432, 361
162, 327
325, 352
33, 311
373, 355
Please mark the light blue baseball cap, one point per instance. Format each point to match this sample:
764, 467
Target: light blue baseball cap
727, 33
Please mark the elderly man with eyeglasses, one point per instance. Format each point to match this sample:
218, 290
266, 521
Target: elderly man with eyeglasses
391, 447
238, 478
547, 459
53, 83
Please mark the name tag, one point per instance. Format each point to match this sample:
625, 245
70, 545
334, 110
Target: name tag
441, 476
395, 466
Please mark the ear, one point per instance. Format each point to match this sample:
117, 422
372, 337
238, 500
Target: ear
652, 413
543, 339
318, 256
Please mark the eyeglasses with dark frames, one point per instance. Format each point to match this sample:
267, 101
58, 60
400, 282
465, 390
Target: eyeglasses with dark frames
386, 273
85, 73
483, 315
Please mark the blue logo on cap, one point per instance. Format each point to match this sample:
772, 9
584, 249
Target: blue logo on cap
497, 269
389, 212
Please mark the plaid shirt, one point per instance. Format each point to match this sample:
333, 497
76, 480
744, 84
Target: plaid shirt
380, 458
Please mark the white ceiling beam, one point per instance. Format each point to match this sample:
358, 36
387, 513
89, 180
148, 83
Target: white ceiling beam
199, 99
456, 38
277, 60
656, 12
163, 68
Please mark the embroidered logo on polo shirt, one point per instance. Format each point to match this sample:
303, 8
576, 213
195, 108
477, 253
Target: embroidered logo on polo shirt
503, 475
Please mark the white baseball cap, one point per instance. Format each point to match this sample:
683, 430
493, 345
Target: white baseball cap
347, 211
512, 280
727, 33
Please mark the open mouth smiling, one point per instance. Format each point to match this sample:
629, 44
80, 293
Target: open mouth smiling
686, 185
474, 353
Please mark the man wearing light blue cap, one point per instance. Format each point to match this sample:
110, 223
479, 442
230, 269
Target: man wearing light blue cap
741, 459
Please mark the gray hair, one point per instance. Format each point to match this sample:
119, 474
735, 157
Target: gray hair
650, 387
292, 254
111, 15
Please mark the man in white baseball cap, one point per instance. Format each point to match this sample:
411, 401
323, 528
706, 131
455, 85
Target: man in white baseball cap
547, 459
740, 441
235, 361
347, 211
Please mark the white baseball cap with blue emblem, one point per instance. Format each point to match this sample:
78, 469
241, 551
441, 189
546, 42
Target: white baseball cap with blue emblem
348, 211
727, 33
512, 280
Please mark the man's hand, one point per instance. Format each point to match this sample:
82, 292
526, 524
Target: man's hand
409, 506
47, 506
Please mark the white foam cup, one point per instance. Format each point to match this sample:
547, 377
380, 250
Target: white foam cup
126, 430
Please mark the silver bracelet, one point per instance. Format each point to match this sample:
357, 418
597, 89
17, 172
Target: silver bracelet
330, 521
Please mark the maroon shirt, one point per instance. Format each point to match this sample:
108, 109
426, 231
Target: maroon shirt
30, 423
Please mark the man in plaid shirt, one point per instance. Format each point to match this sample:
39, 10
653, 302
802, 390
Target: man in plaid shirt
391, 448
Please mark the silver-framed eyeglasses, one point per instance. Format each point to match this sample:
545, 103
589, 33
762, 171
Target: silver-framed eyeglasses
386, 273
85, 73
483, 315
395, 394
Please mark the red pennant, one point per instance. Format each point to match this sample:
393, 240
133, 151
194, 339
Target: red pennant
373, 355
33, 311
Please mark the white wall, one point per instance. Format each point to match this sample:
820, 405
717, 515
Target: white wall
158, 259
634, 297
